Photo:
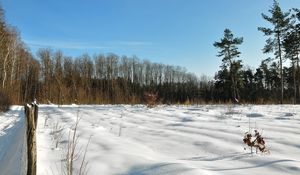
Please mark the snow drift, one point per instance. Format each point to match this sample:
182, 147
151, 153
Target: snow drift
172, 140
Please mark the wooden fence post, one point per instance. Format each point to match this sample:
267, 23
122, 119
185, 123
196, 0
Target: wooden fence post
31, 112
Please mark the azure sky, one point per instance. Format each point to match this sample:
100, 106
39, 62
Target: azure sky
175, 32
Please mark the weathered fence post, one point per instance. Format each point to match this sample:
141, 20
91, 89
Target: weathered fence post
31, 112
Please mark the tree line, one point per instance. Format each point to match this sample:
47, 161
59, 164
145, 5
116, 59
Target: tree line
272, 81
19, 70
51, 76
111, 79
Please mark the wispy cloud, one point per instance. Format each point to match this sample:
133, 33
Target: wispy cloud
84, 45
64, 45
133, 43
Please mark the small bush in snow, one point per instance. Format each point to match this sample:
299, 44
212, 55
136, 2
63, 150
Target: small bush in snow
258, 142
150, 99
73, 153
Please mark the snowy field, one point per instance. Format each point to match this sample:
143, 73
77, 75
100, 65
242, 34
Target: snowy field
171, 140
166, 140
12, 142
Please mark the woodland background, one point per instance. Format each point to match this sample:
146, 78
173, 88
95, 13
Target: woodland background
51, 76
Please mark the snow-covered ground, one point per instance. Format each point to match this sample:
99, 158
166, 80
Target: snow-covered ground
167, 140
171, 140
12, 142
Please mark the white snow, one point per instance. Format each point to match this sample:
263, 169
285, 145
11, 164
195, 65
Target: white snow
12, 142
172, 140
166, 140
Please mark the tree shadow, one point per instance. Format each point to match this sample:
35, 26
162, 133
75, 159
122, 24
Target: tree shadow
155, 169
257, 166
231, 156
254, 115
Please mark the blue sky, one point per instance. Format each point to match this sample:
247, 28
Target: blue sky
175, 32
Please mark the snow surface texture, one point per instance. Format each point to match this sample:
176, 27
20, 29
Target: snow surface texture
171, 140
13, 151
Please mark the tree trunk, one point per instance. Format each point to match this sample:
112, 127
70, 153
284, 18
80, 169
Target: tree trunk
280, 62
294, 81
14, 46
298, 83
12, 70
233, 83
4, 69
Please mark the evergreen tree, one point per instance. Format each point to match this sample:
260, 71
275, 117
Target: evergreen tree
291, 45
249, 90
280, 22
259, 85
229, 51
222, 85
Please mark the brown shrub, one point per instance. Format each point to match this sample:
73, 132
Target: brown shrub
4, 102
258, 142
150, 99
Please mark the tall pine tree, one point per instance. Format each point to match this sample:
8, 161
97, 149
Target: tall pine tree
229, 51
280, 22
291, 45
